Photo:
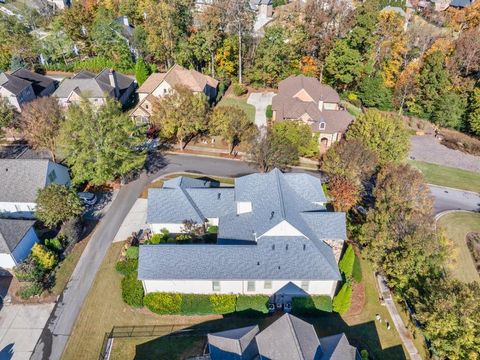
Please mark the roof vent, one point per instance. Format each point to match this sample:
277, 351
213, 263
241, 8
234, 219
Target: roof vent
286, 247
272, 214
304, 247
273, 246
278, 267
258, 263
219, 195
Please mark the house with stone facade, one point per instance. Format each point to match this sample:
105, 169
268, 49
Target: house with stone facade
275, 237
302, 98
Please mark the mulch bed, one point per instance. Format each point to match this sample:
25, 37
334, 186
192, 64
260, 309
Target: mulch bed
358, 300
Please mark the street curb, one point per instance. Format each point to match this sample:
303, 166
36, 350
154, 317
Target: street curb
454, 189
446, 212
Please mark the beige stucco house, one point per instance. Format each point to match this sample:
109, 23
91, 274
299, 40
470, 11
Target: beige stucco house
160, 84
318, 105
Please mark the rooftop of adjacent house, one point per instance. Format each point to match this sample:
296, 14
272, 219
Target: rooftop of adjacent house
178, 75
20, 179
12, 232
13, 84
461, 3
39, 82
288, 338
92, 85
313, 87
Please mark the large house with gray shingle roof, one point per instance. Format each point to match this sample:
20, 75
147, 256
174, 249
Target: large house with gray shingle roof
288, 338
16, 239
305, 99
96, 88
20, 181
22, 86
275, 236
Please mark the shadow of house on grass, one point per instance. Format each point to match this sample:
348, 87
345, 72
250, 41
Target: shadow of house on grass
192, 341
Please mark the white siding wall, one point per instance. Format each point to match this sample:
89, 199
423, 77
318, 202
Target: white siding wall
23, 210
162, 89
233, 287
4, 93
23, 248
172, 228
6, 261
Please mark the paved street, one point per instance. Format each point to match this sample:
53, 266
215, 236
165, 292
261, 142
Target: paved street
59, 327
453, 199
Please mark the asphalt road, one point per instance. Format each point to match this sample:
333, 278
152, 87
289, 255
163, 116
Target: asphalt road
60, 324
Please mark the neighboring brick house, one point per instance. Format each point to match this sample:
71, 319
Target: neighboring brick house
96, 88
22, 86
318, 105
275, 237
160, 84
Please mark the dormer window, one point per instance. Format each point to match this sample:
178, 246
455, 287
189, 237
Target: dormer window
322, 126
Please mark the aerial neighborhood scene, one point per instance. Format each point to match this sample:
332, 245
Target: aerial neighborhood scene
240, 179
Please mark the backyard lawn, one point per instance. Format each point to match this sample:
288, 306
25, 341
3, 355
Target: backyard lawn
231, 100
104, 309
448, 176
456, 227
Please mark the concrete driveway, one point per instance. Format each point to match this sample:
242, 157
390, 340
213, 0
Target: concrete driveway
20, 328
260, 101
135, 220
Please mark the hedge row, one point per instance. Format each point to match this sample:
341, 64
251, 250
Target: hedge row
312, 304
199, 304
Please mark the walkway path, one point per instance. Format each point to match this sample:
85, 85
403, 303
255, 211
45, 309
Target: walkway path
429, 149
397, 320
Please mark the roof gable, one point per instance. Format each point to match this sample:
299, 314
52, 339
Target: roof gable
12, 231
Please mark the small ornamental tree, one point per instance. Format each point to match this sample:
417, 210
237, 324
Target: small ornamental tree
346, 263
44, 257
344, 192
57, 203
141, 71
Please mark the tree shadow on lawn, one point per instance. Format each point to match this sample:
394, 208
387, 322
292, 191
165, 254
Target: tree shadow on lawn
192, 341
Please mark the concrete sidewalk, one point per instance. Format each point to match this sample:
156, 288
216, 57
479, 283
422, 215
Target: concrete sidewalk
20, 329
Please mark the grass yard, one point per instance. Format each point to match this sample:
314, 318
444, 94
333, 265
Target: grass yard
448, 176
104, 309
231, 100
159, 183
456, 227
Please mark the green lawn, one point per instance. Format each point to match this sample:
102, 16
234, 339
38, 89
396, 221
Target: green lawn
241, 103
448, 176
456, 227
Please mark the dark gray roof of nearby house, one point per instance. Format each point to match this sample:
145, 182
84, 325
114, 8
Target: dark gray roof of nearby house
232, 344
272, 258
289, 338
460, 3
21, 178
12, 232
337, 347
92, 85
39, 82
13, 84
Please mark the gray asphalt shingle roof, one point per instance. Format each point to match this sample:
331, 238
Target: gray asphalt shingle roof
297, 199
13, 84
288, 338
12, 232
269, 259
20, 179
39, 82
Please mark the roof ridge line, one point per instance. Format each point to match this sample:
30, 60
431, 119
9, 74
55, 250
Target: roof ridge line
280, 194
295, 340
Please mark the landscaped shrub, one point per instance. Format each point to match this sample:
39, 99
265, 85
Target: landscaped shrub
195, 304
27, 291
29, 270
55, 244
72, 230
311, 304
341, 302
223, 304
212, 229
132, 290
163, 303
127, 267
357, 271
222, 86
162, 237
132, 253
239, 89
44, 257
253, 303
346, 263
269, 112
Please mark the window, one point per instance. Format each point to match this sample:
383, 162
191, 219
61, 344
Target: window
322, 126
250, 286
267, 284
52, 176
305, 285
216, 285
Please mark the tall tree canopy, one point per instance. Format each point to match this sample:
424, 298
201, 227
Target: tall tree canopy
99, 144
